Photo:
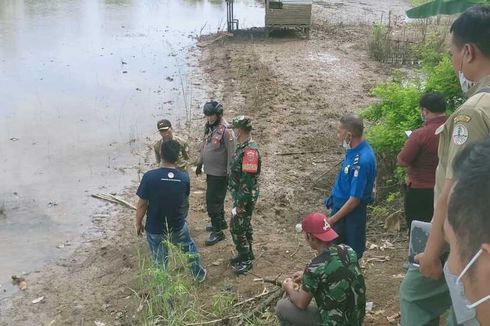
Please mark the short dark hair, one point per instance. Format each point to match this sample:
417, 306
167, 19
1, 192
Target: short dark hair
434, 102
353, 123
469, 203
170, 150
473, 26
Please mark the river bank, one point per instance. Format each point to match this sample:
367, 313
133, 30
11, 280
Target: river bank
295, 90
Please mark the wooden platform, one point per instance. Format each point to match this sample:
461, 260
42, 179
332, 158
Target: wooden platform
288, 15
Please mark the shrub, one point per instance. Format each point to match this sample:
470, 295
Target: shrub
397, 108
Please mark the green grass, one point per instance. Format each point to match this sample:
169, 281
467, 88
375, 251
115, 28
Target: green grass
172, 297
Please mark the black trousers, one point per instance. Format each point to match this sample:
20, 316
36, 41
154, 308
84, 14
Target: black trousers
215, 201
419, 205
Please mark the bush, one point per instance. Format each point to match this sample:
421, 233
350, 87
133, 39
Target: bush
397, 109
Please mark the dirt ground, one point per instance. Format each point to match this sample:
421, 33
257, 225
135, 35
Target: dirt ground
295, 90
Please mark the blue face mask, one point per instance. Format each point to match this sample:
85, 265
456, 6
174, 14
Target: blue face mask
463, 309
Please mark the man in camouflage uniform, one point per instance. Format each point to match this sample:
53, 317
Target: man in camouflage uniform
165, 128
333, 278
245, 171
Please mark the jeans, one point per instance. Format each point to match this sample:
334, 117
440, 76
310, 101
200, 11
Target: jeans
180, 238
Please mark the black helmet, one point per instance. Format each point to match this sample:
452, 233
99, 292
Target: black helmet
213, 107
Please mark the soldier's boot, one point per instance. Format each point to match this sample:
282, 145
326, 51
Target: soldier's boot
243, 266
214, 238
238, 257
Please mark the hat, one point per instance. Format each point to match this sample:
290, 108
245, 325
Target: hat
242, 122
163, 125
316, 224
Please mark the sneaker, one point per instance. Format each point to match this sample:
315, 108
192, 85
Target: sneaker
214, 238
243, 267
201, 276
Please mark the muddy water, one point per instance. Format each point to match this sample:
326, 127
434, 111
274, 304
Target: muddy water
82, 83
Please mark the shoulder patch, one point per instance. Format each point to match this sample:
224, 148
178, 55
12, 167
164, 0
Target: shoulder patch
250, 161
460, 134
462, 118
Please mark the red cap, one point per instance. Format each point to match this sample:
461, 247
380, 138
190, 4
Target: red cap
316, 224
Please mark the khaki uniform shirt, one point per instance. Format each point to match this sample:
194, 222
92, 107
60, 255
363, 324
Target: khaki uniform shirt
183, 158
469, 123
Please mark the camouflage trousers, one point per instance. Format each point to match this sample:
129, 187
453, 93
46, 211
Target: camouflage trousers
242, 232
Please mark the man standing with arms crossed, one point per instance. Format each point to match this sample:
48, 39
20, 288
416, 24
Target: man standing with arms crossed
216, 154
424, 294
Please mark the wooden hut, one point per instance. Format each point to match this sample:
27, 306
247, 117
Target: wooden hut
288, 14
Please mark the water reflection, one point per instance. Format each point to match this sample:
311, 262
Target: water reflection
82, 83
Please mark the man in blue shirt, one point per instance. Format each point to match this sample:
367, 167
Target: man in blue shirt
353, 189
162, 194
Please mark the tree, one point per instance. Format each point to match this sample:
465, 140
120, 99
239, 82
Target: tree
443, 7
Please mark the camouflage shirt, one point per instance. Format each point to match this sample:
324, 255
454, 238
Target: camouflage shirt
183, 158
336, 282
245, 172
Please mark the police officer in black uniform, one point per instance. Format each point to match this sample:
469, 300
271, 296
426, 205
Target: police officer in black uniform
217, 151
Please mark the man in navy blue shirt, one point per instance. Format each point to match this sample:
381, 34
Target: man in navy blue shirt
353, 189
162, 194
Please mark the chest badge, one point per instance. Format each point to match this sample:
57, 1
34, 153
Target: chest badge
346, 169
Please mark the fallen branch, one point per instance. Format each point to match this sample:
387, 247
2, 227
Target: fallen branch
224, 319
298, 153
260, 307
378, 259
268, 280
113, 199
264, 293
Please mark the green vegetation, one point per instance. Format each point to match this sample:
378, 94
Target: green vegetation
171, 297
397, 109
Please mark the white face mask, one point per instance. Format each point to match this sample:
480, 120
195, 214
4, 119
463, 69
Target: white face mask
345, 144
463, 309
464, 82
